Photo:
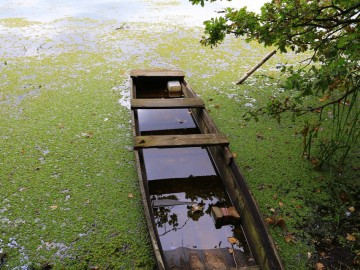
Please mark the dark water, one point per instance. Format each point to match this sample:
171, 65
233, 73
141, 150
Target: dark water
186, 225
153, 87
166, 121
169, 163
187, 229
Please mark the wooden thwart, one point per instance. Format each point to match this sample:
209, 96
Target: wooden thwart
167, 103
162, 141
156, 73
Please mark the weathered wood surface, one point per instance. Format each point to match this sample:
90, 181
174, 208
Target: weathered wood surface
206, 259
166, 103
161, 141
260, 243
156, 73
204, 122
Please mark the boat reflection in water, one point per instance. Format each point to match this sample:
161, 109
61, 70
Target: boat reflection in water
184, 187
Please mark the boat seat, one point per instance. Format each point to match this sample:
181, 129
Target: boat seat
154, 103
168, 141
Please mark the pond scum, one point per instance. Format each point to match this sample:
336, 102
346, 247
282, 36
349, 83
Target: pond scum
69, 192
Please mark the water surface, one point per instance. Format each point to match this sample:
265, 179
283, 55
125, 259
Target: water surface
178, 11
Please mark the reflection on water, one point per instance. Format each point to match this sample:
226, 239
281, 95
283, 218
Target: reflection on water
47, 27
208, 189
177, 12
49, 10
187, 227
166, 121
185, 180
177, 163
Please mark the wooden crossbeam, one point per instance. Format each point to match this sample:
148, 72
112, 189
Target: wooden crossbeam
145, 103
166, 141
156, 73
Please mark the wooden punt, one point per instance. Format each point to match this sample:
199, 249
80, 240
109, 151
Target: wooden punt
188, 176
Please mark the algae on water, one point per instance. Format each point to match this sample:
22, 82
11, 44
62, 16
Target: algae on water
65, 155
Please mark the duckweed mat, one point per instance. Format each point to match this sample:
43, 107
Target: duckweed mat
69, 192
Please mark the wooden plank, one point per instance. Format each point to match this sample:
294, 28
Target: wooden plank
156, 73
260, 243
204, 122
162, 141
154, 238
148, 103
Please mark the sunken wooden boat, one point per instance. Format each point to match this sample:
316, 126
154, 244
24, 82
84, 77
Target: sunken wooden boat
199, 210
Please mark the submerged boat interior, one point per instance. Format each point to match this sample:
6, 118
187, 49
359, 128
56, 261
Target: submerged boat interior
197, 224
185, 189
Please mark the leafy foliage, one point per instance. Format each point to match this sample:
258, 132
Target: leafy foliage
330, 78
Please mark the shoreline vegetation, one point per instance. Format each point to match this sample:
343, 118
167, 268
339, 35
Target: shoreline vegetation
69, 191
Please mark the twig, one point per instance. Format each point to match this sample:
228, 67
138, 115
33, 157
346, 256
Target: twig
251, 71
173, 229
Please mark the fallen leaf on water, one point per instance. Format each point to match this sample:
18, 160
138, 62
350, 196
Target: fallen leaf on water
319, 266
281, 223
289, 237
259, 136
315, 161
323, 254
324, 98
87, 134
309, 255
233, 240
344, 197
350, 237
278, 221
270, 221
53, 207
197, 207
